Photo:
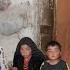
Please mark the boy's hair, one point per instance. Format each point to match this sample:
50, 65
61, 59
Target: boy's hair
53, 43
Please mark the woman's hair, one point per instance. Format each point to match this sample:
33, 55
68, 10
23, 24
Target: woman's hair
53, 43
28, 41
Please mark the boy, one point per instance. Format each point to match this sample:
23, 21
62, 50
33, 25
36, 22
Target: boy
54, 62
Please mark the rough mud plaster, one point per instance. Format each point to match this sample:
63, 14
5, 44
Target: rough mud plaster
18, 20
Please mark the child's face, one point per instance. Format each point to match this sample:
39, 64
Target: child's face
53, 52
25, 50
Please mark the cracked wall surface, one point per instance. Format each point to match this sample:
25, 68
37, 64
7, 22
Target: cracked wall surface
18, 18
24, 18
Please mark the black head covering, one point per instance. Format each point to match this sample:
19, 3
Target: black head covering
18, 59
28, 41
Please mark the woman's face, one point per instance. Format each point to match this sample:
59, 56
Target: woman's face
25, 50
53, 53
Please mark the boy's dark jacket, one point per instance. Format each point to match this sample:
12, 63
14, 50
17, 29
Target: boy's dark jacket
61, 65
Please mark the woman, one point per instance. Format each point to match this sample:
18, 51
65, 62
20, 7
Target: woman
27, 56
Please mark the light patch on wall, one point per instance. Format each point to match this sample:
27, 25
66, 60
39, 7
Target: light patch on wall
16, 2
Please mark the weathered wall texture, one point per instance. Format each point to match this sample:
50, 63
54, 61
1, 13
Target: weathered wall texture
46, 20
63, 27
18, 18
21, 18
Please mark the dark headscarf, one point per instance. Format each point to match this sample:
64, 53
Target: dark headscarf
18, 59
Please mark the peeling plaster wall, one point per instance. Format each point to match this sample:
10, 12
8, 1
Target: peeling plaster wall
18, 18
46, 20
24, 18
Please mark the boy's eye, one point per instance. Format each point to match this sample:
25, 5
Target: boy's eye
53, 50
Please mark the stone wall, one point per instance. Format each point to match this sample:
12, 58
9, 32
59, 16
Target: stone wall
18, 18
46, 20
24, 18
